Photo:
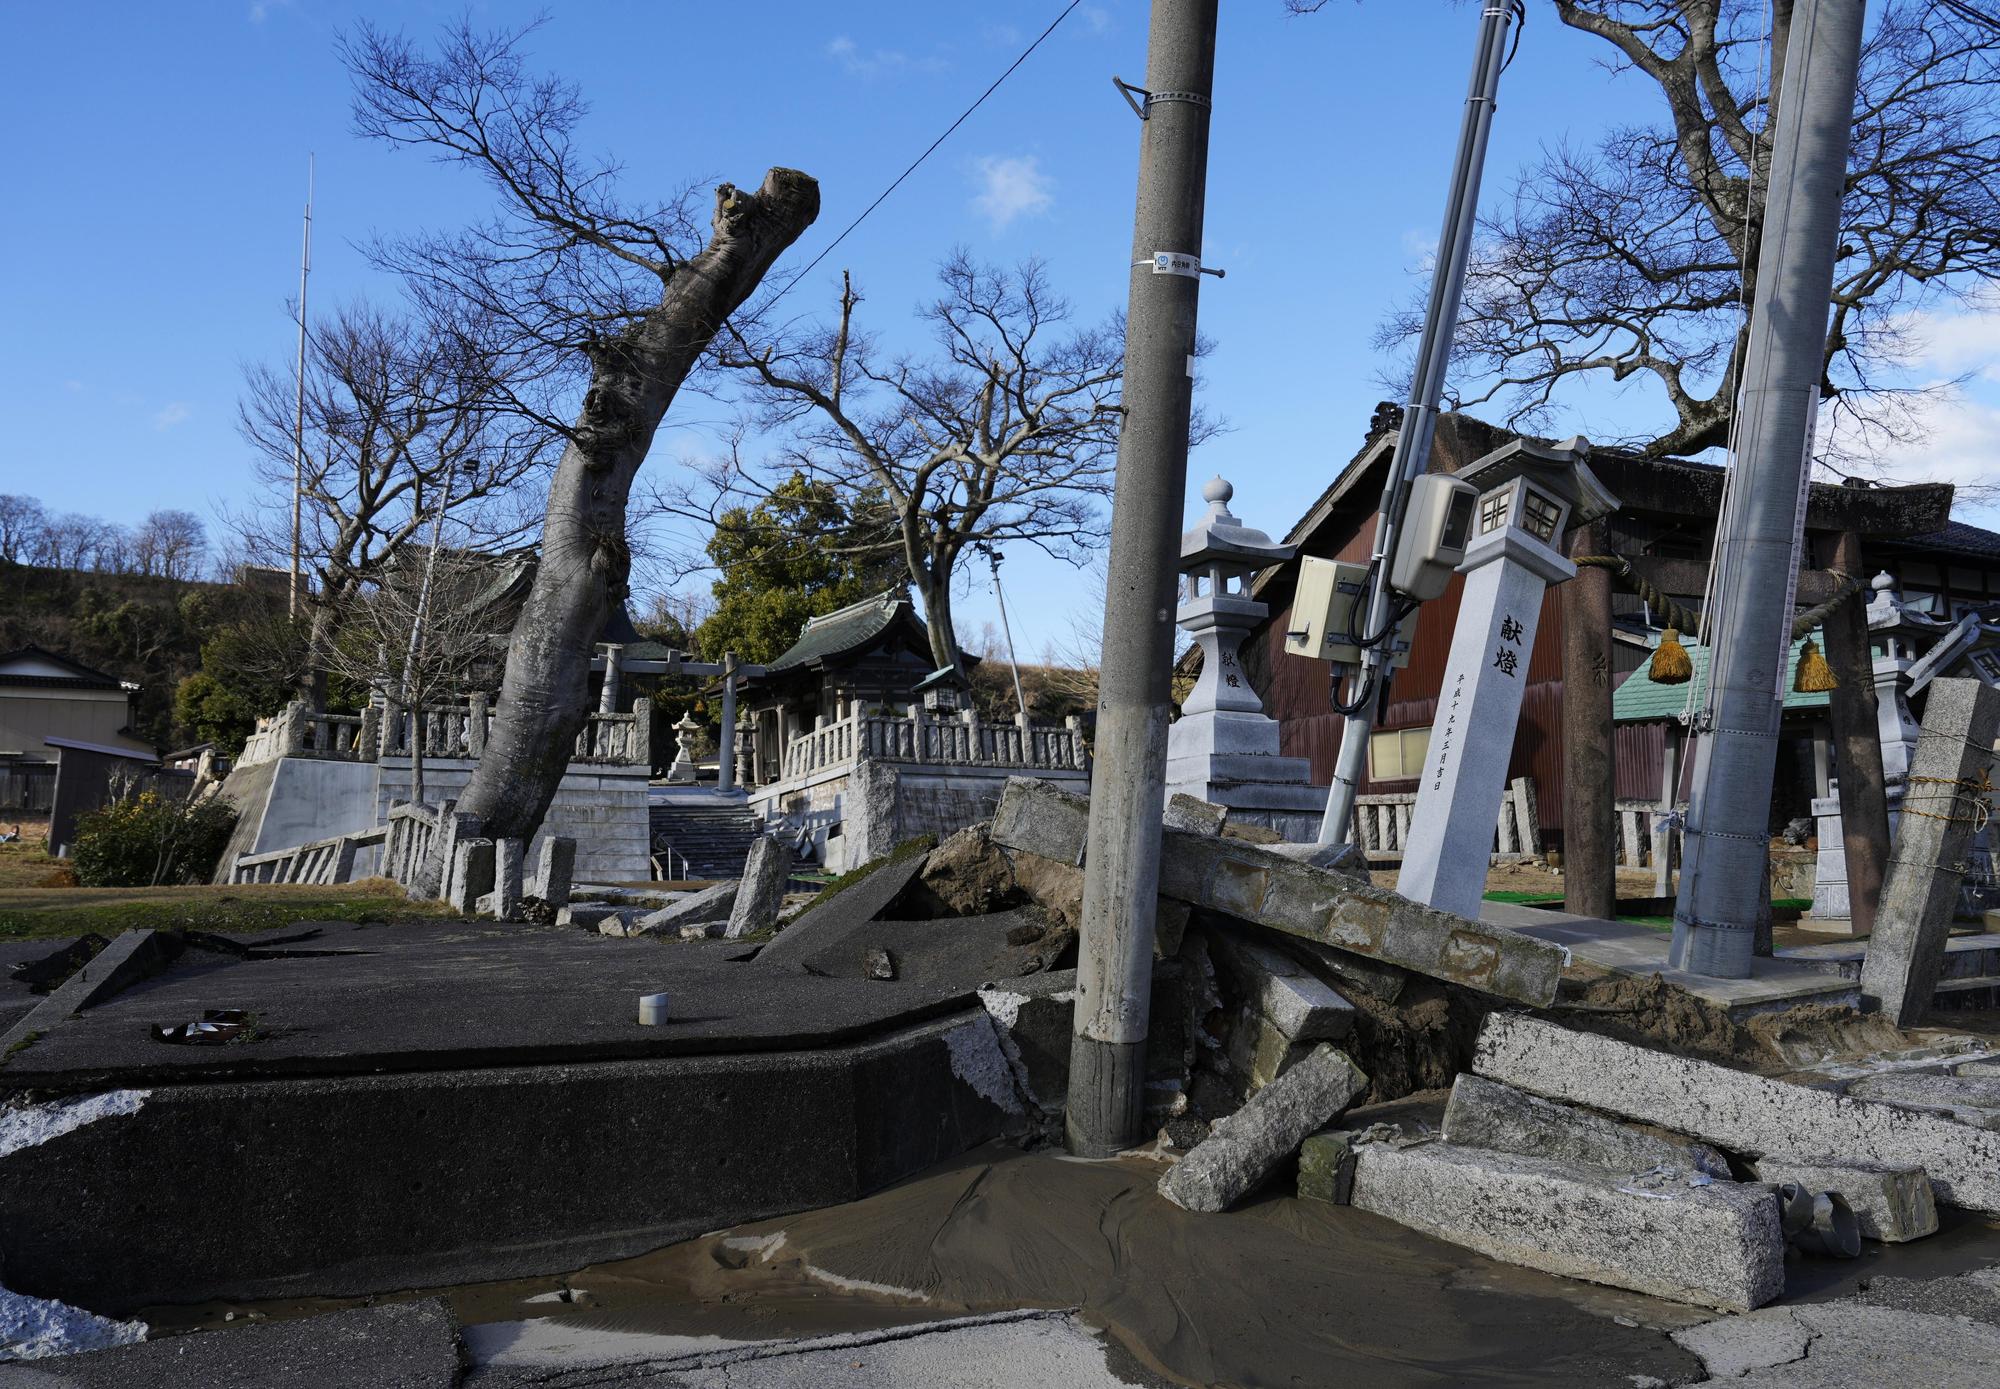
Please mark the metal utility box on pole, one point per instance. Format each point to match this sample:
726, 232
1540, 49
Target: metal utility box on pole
1128, 790
1413, 440
1727, 840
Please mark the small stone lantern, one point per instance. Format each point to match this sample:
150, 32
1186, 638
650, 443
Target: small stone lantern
944, 691
1224, 748
682, 772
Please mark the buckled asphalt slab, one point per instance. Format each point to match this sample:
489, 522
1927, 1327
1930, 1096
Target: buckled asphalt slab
426, 997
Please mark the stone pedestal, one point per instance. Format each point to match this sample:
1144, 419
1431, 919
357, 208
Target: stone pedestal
1830, 910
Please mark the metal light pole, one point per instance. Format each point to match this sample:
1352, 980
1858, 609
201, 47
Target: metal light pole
1128, 789
1413, 441
299, 417
1726, 843
993, 558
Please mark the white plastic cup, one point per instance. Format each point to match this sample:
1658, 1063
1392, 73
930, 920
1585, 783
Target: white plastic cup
652, 1009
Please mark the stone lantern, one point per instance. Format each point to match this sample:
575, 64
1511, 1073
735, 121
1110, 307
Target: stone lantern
682, 771
1529, 495
1224, 748
944, 691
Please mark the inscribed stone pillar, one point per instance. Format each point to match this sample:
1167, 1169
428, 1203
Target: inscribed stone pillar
1590, 852
614, 670
1472, 741
1941, 808
1526, 493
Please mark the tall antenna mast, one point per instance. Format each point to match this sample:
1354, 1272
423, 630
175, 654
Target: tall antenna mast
299, 417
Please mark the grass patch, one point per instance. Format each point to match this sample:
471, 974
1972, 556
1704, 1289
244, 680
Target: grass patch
1515, 896
24, 864
32, 913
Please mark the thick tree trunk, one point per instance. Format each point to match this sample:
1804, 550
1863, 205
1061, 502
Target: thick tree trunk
1590, 816
319, 645
585, 561
938, 624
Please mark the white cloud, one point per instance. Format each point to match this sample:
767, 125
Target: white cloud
868, 63
261, 9
1012, 187
174, 412
1096, 18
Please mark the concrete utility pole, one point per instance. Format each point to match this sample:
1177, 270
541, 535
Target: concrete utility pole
1727, 845
1128, 790
1413, 440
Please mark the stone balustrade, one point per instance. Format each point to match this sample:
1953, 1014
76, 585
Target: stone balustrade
923, 738
448, 731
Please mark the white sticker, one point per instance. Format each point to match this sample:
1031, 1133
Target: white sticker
1176, 263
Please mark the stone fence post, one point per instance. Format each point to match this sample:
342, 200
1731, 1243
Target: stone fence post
642, 732
475, 724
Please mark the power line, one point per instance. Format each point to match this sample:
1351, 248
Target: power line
928, 150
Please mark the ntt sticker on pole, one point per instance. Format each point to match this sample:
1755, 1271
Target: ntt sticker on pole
1176, 263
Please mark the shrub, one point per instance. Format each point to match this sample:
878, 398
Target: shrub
148, 839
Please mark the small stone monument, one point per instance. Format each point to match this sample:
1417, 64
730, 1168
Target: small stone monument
1529, 494
1224, 748
682, 772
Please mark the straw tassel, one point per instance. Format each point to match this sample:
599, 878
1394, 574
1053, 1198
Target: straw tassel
1815, 676
1670, 665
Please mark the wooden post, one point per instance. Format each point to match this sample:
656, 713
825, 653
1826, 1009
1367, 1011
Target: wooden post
1590, 846
1857, 744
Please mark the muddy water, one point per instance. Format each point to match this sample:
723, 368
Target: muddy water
1282, 1292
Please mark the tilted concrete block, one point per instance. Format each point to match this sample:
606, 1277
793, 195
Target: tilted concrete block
1256, 884
555, 870
1892, 1204
709, 907
1194, 815
471, 873
1298, 1005
1743, 1113
1487, 1114
762, 891
1717, 1245
1249, 1145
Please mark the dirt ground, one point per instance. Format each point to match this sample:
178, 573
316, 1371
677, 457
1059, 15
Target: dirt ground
1530, 876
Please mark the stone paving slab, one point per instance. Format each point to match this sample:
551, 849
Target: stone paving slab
425, 996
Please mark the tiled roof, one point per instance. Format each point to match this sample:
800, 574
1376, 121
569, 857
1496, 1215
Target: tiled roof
843, 630
82, 677
1640, 699
1958, 538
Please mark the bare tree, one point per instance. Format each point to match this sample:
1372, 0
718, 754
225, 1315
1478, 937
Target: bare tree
1637, 260
1007, 434
22, 521
619, 298
421, 633
404, 420
171, 545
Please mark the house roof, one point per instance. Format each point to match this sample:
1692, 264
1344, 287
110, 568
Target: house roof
1640, 699
18, 669
1957, 538
843, 630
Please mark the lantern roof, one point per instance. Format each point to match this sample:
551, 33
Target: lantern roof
1221, 536
1562, 469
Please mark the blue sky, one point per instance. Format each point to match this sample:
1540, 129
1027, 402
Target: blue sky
156, 157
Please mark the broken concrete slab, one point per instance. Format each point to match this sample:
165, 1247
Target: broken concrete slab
1716, 1245
838, 912
396, 1345
1249, 1145
761, 894
1968, 1099
1254, 884
1034, 1018
1891, 1203
1843, 1345
1743, 1113
1347, 971
709, 907
954, 952
593, 916
1487, 1114
1194, 815
132, 957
